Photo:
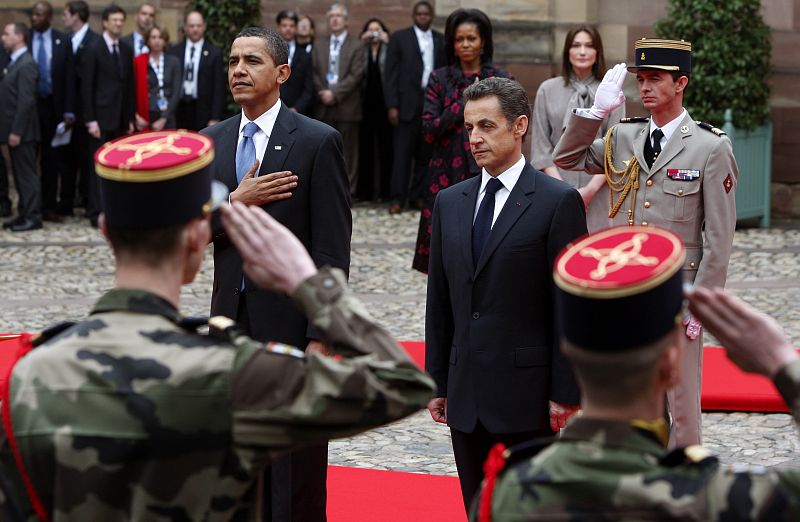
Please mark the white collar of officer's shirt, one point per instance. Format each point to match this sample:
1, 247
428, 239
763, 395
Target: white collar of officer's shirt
265, 122
508, 178
670, 128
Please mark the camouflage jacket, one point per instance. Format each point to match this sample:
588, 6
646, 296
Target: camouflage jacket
129, 415
606, 470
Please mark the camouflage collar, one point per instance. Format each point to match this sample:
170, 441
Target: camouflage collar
613, 434
138, 301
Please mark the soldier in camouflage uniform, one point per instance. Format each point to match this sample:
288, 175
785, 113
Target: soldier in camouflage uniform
611, 462
132, 414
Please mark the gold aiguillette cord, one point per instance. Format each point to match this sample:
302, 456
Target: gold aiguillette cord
620, 181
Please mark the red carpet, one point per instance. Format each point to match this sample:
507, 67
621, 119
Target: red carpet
725, 387
366, 495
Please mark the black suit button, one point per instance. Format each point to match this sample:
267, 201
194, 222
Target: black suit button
235, 291
475, 315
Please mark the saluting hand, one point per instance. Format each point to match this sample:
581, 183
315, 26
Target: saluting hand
258, 190
609, 93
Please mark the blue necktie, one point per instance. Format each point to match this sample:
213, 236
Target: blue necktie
246, 152
45, 89
483, 221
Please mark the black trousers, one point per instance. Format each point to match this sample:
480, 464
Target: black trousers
49, 161
75, 166
93, 203
411, 156
186, 115
295, 485
23, 163
3, 181
471, 449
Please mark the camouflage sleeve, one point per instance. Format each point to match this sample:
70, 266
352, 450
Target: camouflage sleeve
788, 383
283, 398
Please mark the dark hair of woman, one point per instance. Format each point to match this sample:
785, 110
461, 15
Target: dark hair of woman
383, 26
599, 67
468, 16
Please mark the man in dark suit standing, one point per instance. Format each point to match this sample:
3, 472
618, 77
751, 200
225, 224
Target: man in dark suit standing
202, 103
492, 343
19, 126
413, 53
76, 164
5, 201
298, 91
293, 167
339, 64
145, 20
53, 54
107, 93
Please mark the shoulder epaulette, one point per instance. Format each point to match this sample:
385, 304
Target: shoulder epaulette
223, 327
192, 323
527, 450
688, 455
635, 119
709, 127
50, 332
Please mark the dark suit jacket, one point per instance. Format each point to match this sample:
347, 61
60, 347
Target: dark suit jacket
404, 66
18, 94
211, 83
107, 94
491, 343
298, 91
352, 67
75, 74
60, 71
318, 213
172, 88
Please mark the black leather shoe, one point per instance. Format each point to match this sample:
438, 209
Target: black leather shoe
5, 208
25, 225
11, 222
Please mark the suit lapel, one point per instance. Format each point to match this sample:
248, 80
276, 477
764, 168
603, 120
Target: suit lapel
280, 142
516, 204
638, 149
674, 145
466, 213
227, 142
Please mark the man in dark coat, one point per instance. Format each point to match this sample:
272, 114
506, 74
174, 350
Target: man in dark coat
19, 126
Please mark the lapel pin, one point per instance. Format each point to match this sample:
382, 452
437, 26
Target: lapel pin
58, 41
685, 129
205, 53
519, 204
278, 147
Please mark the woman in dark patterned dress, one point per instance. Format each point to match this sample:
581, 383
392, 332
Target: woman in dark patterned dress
468, 53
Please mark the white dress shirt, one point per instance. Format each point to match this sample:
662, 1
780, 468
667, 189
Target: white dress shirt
508, 178
425, 41
333, 58
16, 54
668, 129
292, 47
110, 43
139, 46
47, 36
265, 122
78, 37
190, 87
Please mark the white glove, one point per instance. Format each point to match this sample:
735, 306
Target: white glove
609, 94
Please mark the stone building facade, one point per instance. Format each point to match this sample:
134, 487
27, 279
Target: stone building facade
528, 39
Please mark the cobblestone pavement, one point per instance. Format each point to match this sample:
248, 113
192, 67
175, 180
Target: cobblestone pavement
58, 272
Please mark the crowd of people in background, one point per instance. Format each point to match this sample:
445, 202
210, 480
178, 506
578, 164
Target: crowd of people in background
400, 116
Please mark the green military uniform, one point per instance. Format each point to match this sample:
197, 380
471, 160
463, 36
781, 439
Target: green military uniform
620, 469
130, 415
606, 470
690, 189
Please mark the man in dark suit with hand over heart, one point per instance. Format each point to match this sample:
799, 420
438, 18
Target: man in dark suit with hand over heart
492, 343
293, 167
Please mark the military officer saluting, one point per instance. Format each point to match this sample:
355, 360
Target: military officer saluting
132, 414
610, 462
670, 171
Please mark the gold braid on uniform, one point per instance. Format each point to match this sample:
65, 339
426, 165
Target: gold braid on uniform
620, 181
